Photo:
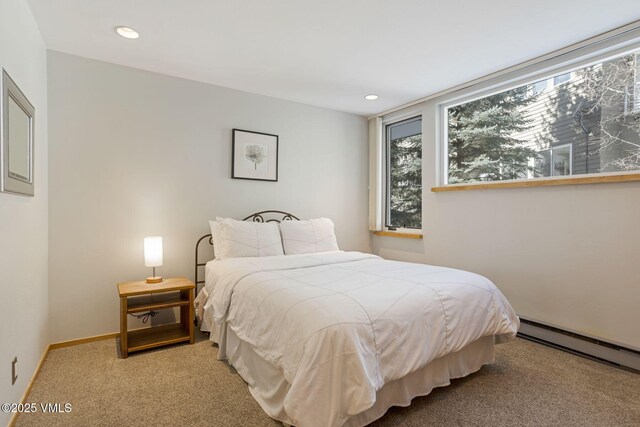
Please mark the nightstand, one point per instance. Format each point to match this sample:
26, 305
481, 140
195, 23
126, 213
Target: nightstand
138, 297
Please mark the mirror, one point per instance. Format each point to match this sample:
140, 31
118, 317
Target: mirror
17, 139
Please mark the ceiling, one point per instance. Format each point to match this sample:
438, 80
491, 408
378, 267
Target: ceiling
329, 53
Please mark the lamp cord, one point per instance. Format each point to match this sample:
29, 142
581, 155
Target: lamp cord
144, 316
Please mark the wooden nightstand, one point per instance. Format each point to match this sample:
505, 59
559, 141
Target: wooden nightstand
138, 297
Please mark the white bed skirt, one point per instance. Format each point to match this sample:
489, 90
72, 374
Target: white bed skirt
268, 386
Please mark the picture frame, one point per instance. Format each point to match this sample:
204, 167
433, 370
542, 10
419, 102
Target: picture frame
17, 122
254, 155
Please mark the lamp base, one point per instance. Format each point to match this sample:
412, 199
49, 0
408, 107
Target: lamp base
154, 279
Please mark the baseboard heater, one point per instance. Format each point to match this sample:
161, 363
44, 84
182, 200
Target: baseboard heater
581, 345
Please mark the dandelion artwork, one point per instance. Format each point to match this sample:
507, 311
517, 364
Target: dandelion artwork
255, 156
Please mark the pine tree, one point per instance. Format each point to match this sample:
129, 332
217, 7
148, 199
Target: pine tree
481, 142
406, 181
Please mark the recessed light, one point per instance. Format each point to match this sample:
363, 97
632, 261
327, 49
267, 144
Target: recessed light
127, 33
371, 97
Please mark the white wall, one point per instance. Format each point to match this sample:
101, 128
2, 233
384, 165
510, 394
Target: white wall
135, 153
565, 256
24, 330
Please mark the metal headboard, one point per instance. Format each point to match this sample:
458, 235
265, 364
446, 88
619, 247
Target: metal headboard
256, 217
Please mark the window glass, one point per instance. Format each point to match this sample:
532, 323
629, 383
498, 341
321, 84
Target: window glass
561, 160
561, 79
543, 164
539, 87
404, 174
636, 89
583, 123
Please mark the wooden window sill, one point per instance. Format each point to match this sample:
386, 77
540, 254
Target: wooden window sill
627, 177
398, 234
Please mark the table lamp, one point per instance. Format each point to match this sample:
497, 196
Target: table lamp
153, 256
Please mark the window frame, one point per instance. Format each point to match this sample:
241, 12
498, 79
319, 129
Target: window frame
406, 116
557, 147
501, 84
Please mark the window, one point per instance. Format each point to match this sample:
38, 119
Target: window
556, 161
561, 160
558, 80
546, 128
636, 86
403, 143
539, 87
632, 92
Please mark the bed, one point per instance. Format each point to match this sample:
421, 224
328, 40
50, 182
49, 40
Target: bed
337, 338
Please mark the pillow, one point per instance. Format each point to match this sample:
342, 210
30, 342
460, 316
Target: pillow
216, 238
307, 237
248, 239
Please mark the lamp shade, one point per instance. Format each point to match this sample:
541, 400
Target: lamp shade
153, 251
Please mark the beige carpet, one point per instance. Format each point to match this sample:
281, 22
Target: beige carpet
529, 385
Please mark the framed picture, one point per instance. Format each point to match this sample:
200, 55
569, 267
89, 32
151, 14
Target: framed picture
254, 156
16, 139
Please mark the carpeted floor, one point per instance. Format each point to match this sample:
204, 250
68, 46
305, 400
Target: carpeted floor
529, 385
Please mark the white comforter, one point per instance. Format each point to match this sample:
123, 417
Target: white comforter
342, 324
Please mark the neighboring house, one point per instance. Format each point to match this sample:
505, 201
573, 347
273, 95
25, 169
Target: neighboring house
586, 121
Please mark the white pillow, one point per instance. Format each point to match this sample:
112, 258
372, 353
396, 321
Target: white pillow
307, 237
216, 238
248, 239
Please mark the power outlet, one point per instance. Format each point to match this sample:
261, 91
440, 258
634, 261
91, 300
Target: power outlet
14, 376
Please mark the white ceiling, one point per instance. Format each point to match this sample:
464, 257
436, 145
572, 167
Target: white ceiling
329, 53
